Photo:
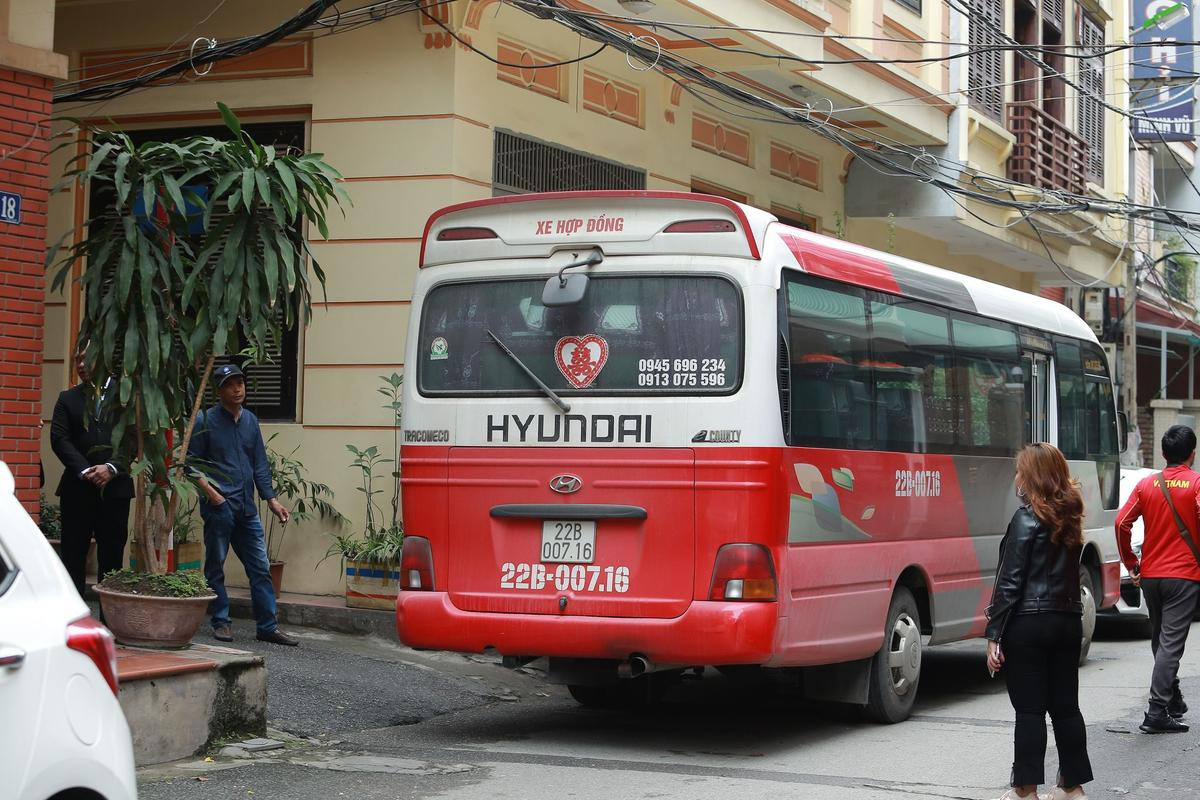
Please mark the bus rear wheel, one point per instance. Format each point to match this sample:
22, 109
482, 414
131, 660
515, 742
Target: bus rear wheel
896, 668
1087, 597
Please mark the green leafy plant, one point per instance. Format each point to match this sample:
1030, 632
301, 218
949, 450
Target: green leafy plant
49, 518
188, 583
839, 225
392, 387
307, 499
381, 540
196, 258
181, 528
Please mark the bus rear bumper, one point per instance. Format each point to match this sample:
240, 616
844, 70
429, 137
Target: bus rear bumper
706, 633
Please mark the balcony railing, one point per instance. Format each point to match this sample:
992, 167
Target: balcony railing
1047, 154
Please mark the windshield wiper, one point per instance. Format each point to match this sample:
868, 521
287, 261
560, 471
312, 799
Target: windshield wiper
558, 401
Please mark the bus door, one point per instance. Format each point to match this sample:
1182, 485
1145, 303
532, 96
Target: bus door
1036, 367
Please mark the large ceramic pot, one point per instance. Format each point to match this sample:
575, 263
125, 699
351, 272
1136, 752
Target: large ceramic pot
146, 621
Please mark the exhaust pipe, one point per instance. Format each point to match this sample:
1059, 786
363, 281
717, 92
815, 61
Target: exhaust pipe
635, 666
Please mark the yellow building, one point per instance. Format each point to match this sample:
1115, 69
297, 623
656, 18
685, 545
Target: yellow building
401, 102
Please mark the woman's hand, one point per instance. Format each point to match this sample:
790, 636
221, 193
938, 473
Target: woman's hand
995, 658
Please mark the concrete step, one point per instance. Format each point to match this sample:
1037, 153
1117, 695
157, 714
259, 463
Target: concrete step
178, 702
326, 612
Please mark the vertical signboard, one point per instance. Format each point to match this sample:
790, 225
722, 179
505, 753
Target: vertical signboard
1163, 80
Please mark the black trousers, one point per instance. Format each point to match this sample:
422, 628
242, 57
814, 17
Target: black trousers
87, 514
1171, 603
1041, 666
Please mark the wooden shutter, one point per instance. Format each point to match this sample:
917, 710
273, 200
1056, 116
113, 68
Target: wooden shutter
1091, 80
985, 69
1053, 12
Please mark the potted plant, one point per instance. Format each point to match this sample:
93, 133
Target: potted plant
179, 601
307, 499
371, 562
198, 256
189, 551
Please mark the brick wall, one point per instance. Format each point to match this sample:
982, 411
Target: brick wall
24, 169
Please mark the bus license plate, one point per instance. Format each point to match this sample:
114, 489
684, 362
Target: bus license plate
568, 541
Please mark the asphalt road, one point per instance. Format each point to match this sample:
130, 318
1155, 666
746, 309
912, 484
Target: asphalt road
364, 718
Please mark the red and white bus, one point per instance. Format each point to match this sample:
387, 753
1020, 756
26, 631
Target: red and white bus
732, 443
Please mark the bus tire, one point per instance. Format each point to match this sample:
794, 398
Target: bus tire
1087, 597
896, 668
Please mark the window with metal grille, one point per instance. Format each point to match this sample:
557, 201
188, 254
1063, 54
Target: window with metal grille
1091, 80
912, 5
1178, 274
523, 164
985, 67
270, 386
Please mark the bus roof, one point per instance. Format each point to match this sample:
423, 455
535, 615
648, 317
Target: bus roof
622, 222
872, 269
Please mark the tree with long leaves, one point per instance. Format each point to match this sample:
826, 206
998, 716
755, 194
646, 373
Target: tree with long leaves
199, 256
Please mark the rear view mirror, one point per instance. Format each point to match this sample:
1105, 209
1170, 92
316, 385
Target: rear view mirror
1122, 431
564, 290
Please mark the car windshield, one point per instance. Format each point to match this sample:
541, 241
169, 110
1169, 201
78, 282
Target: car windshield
629, 335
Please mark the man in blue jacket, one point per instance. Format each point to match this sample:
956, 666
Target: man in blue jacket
229, 461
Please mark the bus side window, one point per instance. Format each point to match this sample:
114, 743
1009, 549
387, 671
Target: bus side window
1101, 423
914, 399
1072, 408
991, 387
829, 341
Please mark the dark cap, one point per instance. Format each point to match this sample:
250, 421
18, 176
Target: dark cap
225, 372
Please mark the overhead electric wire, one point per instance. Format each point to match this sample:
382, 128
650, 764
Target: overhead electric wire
879, 155
308, 19
649, 22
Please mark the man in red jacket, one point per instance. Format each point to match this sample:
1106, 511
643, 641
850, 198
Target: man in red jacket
1169, 571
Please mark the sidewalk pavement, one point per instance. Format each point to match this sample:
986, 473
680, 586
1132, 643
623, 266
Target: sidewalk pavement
325, 612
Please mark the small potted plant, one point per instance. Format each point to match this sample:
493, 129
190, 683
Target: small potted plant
189, 551
372, 563
307, 498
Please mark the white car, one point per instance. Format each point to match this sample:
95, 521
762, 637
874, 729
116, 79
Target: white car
63, 732
1131, 604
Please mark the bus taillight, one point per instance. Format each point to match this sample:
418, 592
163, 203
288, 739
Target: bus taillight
416, 565
743, 572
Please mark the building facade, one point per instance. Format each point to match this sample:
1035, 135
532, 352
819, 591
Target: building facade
475, 98
28, 68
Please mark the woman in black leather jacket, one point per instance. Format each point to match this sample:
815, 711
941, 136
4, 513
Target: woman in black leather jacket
1035, 623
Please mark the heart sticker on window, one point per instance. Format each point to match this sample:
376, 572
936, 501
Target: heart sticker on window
580, 358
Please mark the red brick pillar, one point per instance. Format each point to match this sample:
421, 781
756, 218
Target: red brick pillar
25, 102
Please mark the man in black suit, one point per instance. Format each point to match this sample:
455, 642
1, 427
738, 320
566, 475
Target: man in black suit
95, 489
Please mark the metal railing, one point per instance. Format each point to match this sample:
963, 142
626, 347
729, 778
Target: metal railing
1047, 154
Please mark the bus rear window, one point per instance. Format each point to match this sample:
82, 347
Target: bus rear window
629, 335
